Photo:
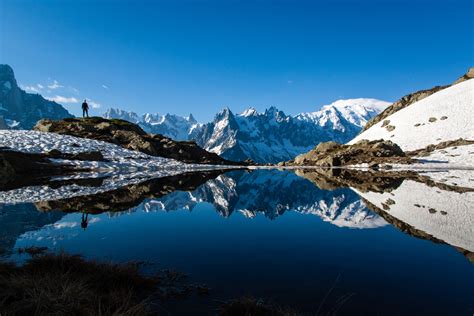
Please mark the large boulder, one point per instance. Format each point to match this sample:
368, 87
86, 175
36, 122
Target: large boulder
331, 154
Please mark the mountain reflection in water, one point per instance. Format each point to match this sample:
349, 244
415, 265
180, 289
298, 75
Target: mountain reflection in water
213, 222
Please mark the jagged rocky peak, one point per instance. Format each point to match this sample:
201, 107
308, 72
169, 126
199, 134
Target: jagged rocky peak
272, 136
251, 111
7, 78
20, 109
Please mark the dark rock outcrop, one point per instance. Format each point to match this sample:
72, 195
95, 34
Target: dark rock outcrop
18, 169
25, 108
331, 154
412, 98
131, 136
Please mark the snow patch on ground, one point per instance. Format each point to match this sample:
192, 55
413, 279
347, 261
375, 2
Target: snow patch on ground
442, 116
119, 158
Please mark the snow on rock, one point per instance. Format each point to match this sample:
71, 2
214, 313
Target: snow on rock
457, 157
356, 111
445, 215
443, 116
40, 142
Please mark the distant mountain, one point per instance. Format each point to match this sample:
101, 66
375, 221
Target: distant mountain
273, 136
270, 136
22, 110
173, 126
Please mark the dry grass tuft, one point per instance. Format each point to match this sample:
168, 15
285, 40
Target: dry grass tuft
66, 284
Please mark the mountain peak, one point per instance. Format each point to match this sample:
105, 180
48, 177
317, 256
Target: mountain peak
251, 111
21, 109
224, 113
191, 118
6, 70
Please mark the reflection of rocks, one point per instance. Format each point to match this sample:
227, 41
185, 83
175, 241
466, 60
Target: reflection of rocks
370, 180
18, 169
131, 136
129, 196
331, 154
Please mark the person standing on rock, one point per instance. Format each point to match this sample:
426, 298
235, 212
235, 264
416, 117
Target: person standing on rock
85, 109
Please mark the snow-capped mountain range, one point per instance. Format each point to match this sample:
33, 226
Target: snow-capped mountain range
174, 126
270, 136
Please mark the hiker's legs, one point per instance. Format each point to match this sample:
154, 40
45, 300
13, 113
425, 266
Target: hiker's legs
83, 113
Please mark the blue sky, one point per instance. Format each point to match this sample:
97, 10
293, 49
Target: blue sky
197, 56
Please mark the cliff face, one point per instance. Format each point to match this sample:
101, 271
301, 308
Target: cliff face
20, 109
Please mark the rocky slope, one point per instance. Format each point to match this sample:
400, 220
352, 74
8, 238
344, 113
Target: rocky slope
412, 98
270, 136
22, 110
443, 120
332, 154
131, 136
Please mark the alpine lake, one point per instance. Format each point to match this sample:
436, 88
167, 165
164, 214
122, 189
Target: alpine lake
316, 241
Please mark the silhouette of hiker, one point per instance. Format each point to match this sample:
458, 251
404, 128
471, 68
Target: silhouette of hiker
85, 109
84, 221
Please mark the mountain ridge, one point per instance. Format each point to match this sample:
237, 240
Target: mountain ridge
265, 137
19, 109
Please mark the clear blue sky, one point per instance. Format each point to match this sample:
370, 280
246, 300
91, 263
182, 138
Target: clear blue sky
198, 56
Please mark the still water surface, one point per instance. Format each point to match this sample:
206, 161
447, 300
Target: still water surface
292, 238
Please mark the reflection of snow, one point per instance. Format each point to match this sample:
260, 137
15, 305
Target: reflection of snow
445, 215
272, 193
354, 215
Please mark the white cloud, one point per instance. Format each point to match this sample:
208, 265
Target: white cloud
94, 105
61, 99
40, 86
55, 85
30, 89
105, 87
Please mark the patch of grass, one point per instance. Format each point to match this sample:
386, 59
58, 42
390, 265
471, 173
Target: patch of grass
66, 284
